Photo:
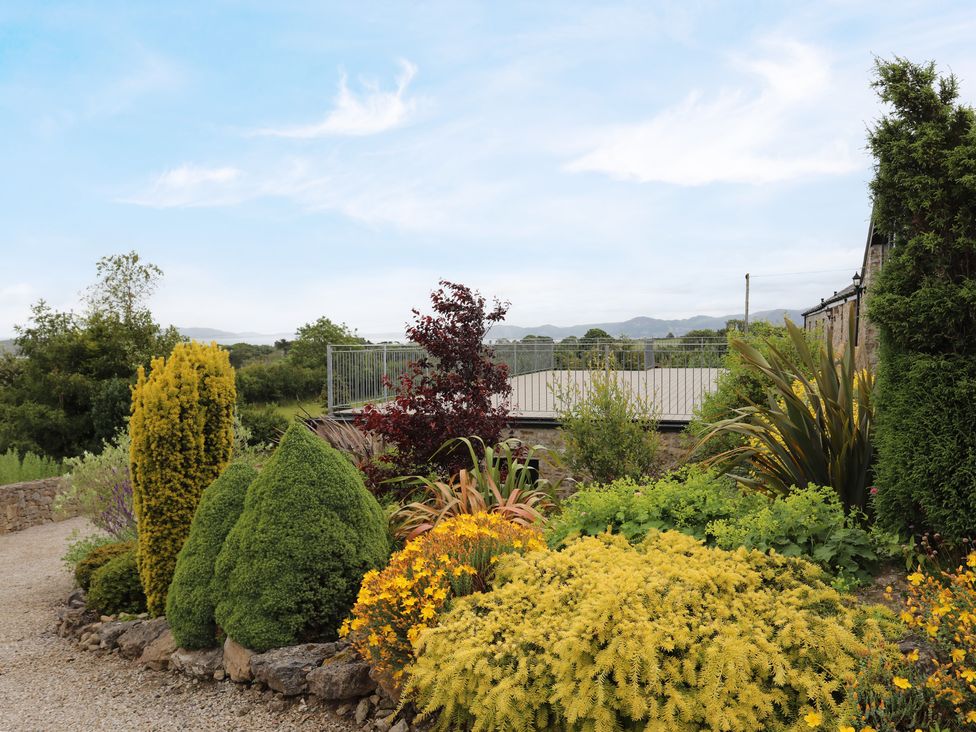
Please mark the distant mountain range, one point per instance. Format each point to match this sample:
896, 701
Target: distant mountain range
642, 327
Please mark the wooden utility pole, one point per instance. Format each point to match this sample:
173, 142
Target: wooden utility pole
745, 325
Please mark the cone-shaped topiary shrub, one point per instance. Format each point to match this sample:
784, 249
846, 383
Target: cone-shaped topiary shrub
182, 431
290, 568
190, 602
115, 587
667, 636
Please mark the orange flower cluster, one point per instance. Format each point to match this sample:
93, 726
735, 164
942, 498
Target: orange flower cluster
456, 558
943, 608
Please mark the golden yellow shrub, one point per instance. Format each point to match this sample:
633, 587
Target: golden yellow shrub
182, 437
454, 559
669, 636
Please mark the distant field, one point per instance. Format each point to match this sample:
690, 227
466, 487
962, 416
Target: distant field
290, 409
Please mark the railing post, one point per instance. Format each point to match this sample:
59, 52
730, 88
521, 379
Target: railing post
329, 388
386, 391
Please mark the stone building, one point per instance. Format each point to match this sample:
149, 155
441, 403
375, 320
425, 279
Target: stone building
834, 312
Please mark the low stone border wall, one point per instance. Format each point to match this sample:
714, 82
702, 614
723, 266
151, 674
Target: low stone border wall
309, 674
23, 505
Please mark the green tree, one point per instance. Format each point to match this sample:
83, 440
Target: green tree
67, 389
309, 349
924, 300
596, 334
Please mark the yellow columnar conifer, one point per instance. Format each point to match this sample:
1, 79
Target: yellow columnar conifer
182, 438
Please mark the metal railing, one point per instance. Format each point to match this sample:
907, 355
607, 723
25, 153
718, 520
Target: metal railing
669, 375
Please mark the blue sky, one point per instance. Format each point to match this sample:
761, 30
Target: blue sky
589, 162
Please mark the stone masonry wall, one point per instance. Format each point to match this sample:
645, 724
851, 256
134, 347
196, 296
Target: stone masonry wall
23, 505
673, 446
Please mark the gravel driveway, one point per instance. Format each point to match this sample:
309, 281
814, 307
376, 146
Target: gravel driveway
46, 683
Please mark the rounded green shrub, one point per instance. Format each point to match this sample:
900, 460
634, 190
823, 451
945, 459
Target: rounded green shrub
290, 568
668, 636
116, 588
190, 601
97, 558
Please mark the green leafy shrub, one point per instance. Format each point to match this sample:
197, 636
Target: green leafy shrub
291, 565
115, 587
609, 430
808, 522
669, 636
687, 501
14, 469
190, 602
265, 424
97, 558
99, 488
80, 547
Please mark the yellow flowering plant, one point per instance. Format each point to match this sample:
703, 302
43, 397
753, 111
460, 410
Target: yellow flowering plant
941, 607
455, 558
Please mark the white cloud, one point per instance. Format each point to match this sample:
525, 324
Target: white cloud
192, 185
738, 135
368, 113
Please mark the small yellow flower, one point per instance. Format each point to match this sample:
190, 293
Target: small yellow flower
958, 655
916, 578
867, 728
813, 719
971, 716
846, 728
901, 683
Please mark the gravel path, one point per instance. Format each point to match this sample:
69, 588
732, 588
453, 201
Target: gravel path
47, 683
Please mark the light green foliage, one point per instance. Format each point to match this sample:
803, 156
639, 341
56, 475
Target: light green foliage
182, 438
191, 600
80, 546
739, 384
309, 349
808, 522
115, 587
922, 302
668, 636
608, 430
97, 557
811, 429
290, 568
14, 469
93, 478
687, 500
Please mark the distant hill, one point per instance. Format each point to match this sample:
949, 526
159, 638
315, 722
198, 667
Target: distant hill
641, 327
8, 346
227, 337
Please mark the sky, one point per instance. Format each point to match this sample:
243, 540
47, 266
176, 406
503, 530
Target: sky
588, 162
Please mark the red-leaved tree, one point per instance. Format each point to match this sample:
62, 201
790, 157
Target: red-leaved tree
455, 390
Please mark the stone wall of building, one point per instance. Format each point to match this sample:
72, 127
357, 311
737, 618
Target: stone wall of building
23, 505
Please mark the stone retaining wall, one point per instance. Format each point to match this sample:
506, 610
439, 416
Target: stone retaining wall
674, 446
23, 505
